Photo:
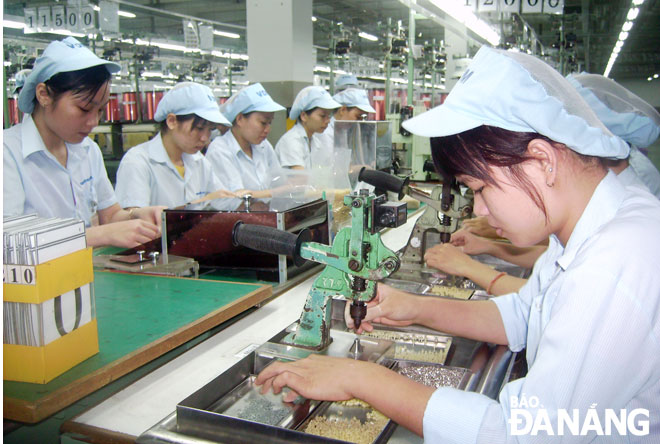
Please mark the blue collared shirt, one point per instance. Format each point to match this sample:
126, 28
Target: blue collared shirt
146, 176
589, 318
35, 181
239, 171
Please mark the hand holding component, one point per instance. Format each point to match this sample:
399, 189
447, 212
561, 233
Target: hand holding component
389, 307
449, 259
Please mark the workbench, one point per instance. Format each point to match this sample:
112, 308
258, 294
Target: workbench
127, 414
140, 318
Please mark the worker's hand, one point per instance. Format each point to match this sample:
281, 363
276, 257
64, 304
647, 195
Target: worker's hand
315, 377
149, 214
480, 227
257, 194
218, 194
470, 243
128, 234
449, 259
389, 307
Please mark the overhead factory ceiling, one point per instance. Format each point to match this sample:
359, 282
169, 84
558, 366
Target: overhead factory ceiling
588, 29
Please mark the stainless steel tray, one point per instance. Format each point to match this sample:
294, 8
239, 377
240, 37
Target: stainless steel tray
230, 409
434, 375
349, 421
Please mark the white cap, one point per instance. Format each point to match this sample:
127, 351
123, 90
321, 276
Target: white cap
312, 97
249, 99
346, 80
518, 92
355, 97
21, 77
60, 56
624, 113
190, 98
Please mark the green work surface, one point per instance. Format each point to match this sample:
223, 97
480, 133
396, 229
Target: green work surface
133, 311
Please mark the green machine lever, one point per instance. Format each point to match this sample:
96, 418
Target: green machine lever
355, 261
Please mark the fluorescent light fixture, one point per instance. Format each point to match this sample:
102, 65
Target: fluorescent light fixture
66, 32
465, 16
12, 24
231, 35
152, 74
164, 45
368, 36
627, 26
321, 68
226, 55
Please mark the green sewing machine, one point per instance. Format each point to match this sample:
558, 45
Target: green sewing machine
355, 261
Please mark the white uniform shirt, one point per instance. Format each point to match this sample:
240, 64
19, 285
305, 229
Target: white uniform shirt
629, 177
294, 148
589, 318
645, 170
146, 176
35, 182
236, 169
323, 145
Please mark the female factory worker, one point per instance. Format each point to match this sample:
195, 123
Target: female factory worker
520, 136
50, 166
626, 115
169, 169
242, 156
354, 106
311, 110
346, 81
629, 117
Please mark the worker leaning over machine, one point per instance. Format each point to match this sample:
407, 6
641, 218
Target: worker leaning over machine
629, 117
50, 165
242, 156
520, 136
626, 115
169, 169
311, 110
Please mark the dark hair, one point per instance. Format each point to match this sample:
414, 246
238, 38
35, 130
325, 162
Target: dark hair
474, 151
197, 122
84, 82
309, 111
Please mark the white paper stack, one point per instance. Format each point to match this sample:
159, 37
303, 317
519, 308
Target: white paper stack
33, 240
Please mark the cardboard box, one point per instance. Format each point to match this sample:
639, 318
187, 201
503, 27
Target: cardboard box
50, 318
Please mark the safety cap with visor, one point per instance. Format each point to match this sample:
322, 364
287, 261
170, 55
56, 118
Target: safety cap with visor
249, 99
190, 98
346, 81
59, 56
624, 113
312, 97
519, 92
354, 97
